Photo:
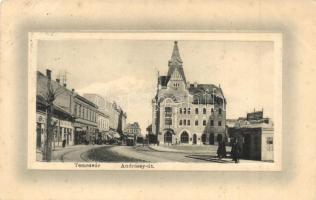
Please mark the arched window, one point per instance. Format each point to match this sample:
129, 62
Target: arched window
219, 111
184, 111
184, 122
180, 110
189, 123
180, 122
189, 111
204, 122
204, 110
196, 111
212, 110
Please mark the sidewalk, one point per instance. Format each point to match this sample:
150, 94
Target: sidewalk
57, 151
188, 149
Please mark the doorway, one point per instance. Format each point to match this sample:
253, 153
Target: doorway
194, 138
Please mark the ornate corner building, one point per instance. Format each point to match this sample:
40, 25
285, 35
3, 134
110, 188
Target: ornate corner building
184, 113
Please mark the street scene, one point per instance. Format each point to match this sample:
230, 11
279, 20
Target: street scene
162, 117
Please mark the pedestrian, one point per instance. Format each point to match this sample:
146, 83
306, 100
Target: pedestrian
224, 150
232, 153
236, 150
64, 143
219, 150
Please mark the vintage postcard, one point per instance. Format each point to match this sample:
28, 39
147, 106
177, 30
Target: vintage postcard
155, 101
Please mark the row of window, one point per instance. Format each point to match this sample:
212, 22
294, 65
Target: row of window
85, 113
188, 123
62, 131
188, 111
103, 123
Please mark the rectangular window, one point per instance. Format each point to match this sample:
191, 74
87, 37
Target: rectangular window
189, 111
204, 122
168, 121
79, 110
168, 111
219, 123
212, 122
196, 122
269, 143
180, 122
184, 122
184, 111
75, 109
189, 123
196, 111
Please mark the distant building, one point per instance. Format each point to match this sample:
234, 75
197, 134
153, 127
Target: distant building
85, 124
133, 128
255, 134
117, 119
132, 132
77, 119
152, 139
185, 113
103, 118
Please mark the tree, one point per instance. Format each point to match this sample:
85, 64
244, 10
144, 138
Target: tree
52, 93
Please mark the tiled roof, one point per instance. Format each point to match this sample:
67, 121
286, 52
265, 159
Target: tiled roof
203, 93
175, 63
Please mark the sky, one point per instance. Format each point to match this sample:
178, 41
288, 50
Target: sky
126, 71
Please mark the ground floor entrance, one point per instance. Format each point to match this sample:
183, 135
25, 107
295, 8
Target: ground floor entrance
184, 138
168, 137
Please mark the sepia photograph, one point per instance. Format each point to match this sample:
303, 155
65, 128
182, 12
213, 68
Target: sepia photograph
157, 99
193, 101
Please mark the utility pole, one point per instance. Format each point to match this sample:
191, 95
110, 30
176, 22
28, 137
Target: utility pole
157, 110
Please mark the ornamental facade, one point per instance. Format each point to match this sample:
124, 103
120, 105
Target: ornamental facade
184, 113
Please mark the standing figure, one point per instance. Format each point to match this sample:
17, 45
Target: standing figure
219, 150
224, 153
236, 150
64, 143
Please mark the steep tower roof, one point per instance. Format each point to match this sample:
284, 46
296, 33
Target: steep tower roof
175, 57
175, 62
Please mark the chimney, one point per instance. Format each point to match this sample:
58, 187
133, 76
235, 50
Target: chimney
188, 84
195, 84
57, 80
49, 73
